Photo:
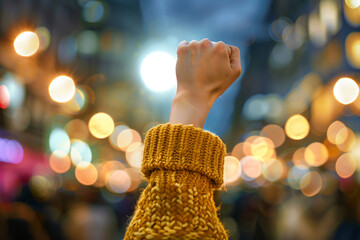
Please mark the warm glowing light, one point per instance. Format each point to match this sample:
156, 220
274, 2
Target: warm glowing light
345, 165
352, 15
345, 139
295, 174
275, 133
26, 43
80, 152
158, 71
251, 166
238, 151
316, 154
101, 125
59, 140
4, 97
335, 132
273, 170
104, 169
135, 177
232, 169
352, 47
119, 181
311, 184
134, 154
59, 161
77, 129
62, 89
127, 137
352, 3
41, 187
346, 90
77, 103
297, 127
263, 148
86, 173
299, 157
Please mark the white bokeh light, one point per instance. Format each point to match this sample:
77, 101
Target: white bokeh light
158, 71
346, 90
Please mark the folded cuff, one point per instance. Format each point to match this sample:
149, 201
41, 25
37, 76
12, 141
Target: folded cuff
184, 147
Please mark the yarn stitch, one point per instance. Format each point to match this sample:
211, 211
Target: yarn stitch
183, 166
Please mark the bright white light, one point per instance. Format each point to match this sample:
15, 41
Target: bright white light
158, 71
346, 90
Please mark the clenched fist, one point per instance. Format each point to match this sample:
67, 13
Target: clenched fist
204, 70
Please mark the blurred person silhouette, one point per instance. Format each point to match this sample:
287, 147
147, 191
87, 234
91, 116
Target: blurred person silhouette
182, 163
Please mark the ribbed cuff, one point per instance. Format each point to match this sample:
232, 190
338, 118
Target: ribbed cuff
184, 147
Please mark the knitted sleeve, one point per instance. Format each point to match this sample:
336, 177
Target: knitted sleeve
183, 166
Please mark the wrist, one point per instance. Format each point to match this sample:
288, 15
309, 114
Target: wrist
189, 108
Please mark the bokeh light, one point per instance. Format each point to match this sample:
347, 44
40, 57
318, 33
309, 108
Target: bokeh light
232, 169
59, 161
59, 140
80, 152
335, 132
297, 127
261, 147
273, 170
62, 89
295, 175
101, 125
158, 71
11, 151
275, 133
41, 187
77, 129
345, 139
77, 102
126, 138
346, 90
4, 97
251, 167
93, 11
352, 3
134, 154
26, 43
86, 173
16, 90
119, 181
299, 157
44, 37
104, 170
311, 184
345, 165
352, 47
316, 154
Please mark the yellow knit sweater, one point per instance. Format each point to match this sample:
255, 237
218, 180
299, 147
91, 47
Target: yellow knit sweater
183, 166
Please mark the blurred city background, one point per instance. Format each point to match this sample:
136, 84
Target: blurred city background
81, 82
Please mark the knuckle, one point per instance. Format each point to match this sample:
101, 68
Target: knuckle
181, 49
205, 42
220, 46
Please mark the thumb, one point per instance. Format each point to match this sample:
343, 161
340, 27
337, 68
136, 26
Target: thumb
235, 61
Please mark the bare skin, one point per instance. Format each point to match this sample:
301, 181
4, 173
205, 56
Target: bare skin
204, 70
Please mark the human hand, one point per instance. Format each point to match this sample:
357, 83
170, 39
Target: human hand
204, 71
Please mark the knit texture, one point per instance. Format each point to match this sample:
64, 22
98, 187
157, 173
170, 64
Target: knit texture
183, 166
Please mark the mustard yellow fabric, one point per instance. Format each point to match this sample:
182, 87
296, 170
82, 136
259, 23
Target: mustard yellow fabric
183, 165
